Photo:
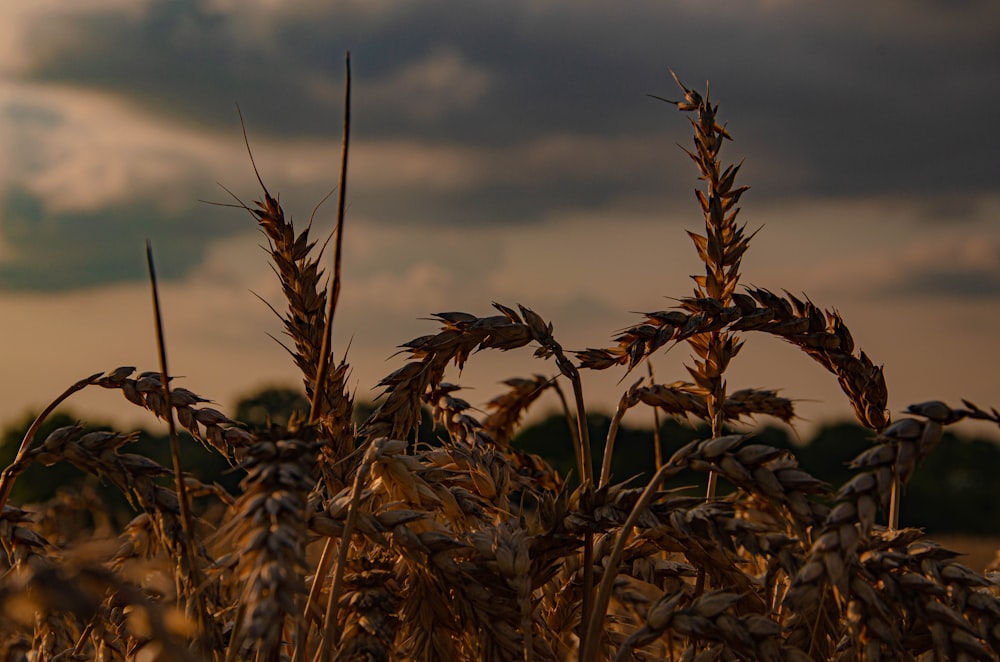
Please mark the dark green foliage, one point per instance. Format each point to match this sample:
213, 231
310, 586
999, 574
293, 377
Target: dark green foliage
40, 483
955, 491
272, 405
551, 440
830, 450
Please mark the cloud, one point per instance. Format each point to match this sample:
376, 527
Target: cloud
95, 177
431, 89
34, 31
507, 114
848, 97
93, 168
99, 169
80, 151
83, 249
954, 268
192, 43
878, 249
584, 270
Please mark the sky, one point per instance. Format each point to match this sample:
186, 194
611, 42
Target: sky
501, 151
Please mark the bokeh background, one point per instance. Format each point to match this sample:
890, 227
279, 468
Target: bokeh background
501, 151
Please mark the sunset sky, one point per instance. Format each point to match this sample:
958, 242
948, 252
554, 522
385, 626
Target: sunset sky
502, 151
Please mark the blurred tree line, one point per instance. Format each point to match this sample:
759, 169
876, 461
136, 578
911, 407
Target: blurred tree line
955, 491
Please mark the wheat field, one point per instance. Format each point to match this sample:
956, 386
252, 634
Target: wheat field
365, 542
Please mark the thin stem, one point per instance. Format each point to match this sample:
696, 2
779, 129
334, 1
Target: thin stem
574, 431
16, 467
587, 471
713, 481
331, 637
324, 358
231, 650
657, 447
587, 478
894, 503
169, 413
301, 651
715, 401
624, 403
587, 604
82, 640
175, 453
588, 650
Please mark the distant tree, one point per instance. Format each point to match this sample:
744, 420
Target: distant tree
277, 404
956, 489
271, 405
40, 483
634, 454
831, 448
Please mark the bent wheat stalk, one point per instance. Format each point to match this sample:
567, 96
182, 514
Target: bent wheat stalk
11, 473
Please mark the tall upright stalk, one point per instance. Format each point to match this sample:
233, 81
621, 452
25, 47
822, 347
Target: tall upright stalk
721, 249
334, 295
315, 410
187, 542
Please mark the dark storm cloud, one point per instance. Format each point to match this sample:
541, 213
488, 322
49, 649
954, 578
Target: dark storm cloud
840, 100
891, 97
64, 251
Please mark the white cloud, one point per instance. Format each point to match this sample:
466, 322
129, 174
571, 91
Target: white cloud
443, 83
383, 165
31, 30
80, 150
